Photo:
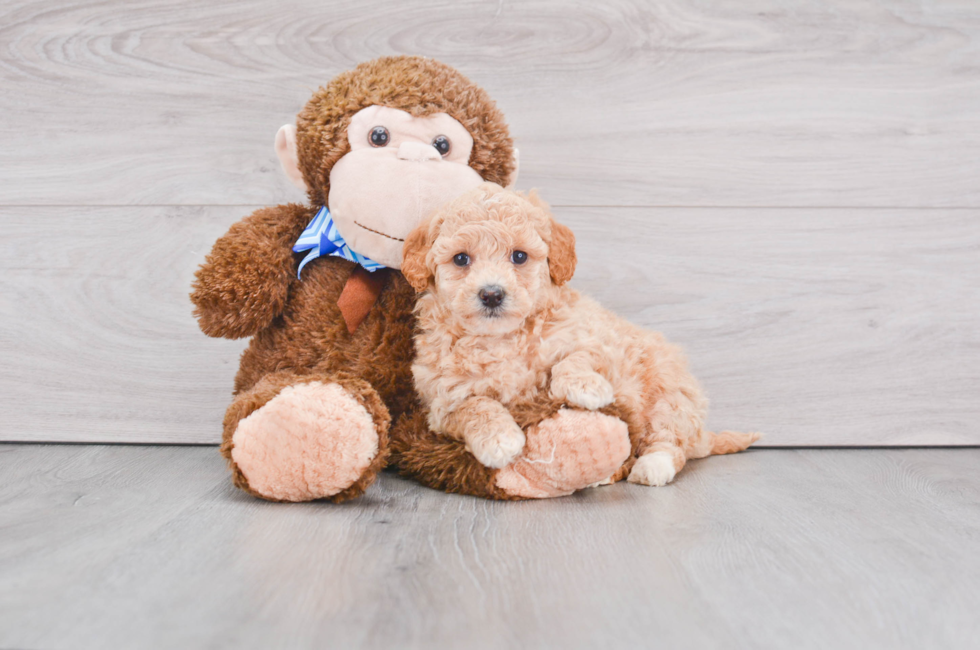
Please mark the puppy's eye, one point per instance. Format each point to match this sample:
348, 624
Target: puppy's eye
379, 136
461, 259
442, 145
518, 257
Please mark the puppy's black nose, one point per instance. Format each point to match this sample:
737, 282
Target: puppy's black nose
491, 296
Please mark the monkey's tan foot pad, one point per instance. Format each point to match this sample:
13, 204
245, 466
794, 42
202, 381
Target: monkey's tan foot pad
309, 442
567, 452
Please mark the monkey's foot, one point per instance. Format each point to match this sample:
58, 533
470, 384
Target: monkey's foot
569, 451
310, 441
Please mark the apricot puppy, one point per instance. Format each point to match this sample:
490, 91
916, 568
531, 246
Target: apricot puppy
497, 326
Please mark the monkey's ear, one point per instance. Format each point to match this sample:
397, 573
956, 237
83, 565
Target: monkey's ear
512, 179
414, 252
288, 158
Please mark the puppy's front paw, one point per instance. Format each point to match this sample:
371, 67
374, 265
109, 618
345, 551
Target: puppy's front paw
497, 445
590, 391
654, 469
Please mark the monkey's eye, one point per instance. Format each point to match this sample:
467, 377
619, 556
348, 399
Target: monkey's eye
442, 145
378, 137
461, 259
518, 257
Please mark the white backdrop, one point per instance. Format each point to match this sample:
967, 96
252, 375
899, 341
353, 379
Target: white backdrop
789, 190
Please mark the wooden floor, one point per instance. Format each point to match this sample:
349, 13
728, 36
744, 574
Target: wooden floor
151, 547
790, 190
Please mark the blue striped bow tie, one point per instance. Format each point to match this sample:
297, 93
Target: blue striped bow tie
321, 237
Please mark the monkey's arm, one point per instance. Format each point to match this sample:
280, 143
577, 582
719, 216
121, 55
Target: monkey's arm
243, 284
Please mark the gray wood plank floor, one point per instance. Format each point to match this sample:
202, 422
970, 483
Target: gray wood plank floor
788, 189
150, 547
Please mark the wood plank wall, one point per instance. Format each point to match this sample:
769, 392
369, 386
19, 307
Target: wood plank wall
790, 189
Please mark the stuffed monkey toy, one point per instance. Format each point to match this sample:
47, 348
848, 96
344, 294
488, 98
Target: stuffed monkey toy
318, 288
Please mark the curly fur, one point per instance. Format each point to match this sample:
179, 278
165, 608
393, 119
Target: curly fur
543, 338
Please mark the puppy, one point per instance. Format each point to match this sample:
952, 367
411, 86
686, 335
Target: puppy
497, 326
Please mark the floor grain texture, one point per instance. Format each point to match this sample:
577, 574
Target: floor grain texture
151, 547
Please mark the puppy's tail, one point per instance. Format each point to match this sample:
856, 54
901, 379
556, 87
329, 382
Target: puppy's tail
728, 442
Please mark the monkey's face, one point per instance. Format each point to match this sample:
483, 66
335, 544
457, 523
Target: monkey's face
399, 169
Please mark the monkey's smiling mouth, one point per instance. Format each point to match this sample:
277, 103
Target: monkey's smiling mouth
377, 232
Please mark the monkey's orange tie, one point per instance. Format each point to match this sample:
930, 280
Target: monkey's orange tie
360, 293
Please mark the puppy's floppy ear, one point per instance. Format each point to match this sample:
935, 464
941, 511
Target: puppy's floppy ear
561, 253
561, 248
416, 248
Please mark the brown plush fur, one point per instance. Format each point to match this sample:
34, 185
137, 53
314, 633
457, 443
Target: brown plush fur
437, 461
414, 84
443, 463
310, 342
245, 280
247, 286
